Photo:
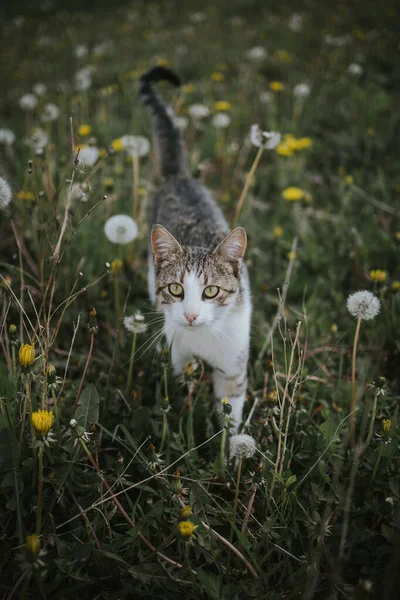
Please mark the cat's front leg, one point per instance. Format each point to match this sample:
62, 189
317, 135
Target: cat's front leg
234, 388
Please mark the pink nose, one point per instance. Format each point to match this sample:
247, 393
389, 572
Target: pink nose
191, 318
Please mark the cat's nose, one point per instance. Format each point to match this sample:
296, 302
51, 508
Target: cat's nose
190, 317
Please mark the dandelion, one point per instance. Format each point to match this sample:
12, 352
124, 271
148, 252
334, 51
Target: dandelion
217, 76
221, 120
378, 275
42, 421
198, 111
51, 112
264, 139
242, 445
116, 266
181, 122
135, 323
292, 194
88, 155
396, 286
187, 529
277, 231
28, 102
117, 145
301, 90
222, 106
266, 97
295, 22
135, 145
276, 86
32, 544
387, 424
257, 53
355, 69
84, 130
186, 512
80, 50
83, 79
348, 180
5, 193
363, 305
26, 355
39, 89
38, 139
7, 136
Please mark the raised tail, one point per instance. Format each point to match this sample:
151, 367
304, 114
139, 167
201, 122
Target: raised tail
172, 158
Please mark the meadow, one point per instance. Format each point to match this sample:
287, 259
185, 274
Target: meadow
117, 478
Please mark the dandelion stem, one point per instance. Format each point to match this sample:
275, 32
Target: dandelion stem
164, 431
131, 360
26, 401
248, 181
371, 425
353, 385
40, 491
223, 446
236, 496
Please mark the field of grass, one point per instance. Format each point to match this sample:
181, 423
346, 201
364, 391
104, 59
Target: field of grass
127, 486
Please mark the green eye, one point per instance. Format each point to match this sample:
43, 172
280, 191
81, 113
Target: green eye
175, 289
211, 291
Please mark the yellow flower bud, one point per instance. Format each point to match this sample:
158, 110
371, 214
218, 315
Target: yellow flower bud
186, 512
116, 266
42, 420
186, 529
26, 355
32, 544
12, 329
387, 424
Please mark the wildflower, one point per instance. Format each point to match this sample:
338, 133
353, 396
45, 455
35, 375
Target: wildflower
135, 323
38, 139
198, 111
378, 275
396, 286
293, 193
181, 122
188, 88
28, 102
284, 56
83, 78
5, 193
108, 183
276, 86
117, 145
387, 424
186, 512
121, 229
221, 120
355, 69
116, 266
348, 180
7, 136
242, 445
135, 145
51, 112
277, 231
187, 529
26, 355
266, 139
302, 143
42, 421
84, 130
363, 305
284, 150
334, 328
266, 97
32, 544
295, 22
301, 90
12, 330
217, 76
80, 50
222, 106
88, 155
39, 89
257, 53
25, 195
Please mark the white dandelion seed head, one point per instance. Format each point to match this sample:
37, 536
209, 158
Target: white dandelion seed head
5, 193
136, 145
301, 90
295, 22
83, 78
77, 193
266, 97
39, 89
242, 445
80, 50
7, 136
363, 305
73, 423
51, 112
355, 69
135, 323
256, 53
221, 120
120, 229
28, 102
181, 122
38, 139
265, 139
198, 111
88, 155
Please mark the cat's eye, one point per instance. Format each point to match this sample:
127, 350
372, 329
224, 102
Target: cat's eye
211, 291
176, 289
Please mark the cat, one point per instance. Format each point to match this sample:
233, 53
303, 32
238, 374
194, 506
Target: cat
196, 274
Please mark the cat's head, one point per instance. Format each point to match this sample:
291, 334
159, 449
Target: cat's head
196, 286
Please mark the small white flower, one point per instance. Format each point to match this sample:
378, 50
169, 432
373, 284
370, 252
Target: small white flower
266, 139
83, 78
121, 229
51, 112
363, 305
181, 122
88, 155
7, 136
256, 53
301, 90
28, 102
39, 89
221, 120
38, 139
136, 145
355, 69
242, 445
198, 111
135, 323
5, 193
266, 97
80, 50
295, 22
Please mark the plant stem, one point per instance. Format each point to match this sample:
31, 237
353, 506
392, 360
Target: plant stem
84, 372
132, 358
248, 181
26, 400
236, 496
371, 425
352, 427
164, 431
222, 447
40, 491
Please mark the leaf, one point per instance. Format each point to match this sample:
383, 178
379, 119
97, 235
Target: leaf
88, 407
7, 384
211, 584
290, 480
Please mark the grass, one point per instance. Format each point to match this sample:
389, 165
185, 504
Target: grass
310, 514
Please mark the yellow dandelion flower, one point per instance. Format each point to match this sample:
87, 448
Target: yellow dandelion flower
225, 400
277, 231
217, 76
116, 266
292, 194
188, 88
108, 183
42, 420
276, 86
24, 195
162, 62
186, 512
395, 287
117, 145
32, 544
284, 56
273, 396
378, 275
187, 529
334, 328
84, 130
26, 355
301, 143
348, 180
222, 106
283, 149
387, 424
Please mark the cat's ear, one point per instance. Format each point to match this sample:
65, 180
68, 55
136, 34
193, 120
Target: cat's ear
163, 243
234, 245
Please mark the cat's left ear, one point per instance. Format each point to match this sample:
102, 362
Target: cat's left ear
234, 245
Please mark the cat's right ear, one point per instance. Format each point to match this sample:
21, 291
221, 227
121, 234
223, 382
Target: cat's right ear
163, 244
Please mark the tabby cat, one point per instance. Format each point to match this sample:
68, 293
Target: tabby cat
196, 273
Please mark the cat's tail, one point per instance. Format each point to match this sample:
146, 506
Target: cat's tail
171, 155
